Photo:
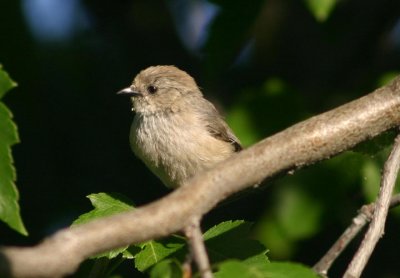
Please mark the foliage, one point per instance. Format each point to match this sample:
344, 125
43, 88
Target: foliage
321, 9
166, 269
230, 249
266, 64
106, 204
274, 270
153, 252
9, 207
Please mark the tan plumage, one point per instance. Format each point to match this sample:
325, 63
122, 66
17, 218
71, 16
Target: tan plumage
176, 131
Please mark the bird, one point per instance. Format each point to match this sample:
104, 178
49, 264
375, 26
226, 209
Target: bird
175, 131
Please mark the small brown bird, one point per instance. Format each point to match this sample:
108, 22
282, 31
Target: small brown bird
176, 131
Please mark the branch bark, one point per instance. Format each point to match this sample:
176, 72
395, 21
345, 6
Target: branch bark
364, 216
198, 248
377, 226
315, 139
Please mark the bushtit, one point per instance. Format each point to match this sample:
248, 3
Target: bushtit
176, 131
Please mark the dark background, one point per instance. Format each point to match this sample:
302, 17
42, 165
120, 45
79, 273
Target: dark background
265, 64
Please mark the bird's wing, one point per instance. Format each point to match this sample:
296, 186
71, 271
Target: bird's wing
216, 125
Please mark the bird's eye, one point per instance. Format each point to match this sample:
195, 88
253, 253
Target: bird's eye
152, 89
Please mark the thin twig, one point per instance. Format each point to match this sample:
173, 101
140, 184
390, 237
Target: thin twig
187, 266
197, 247
376, 228
364, 216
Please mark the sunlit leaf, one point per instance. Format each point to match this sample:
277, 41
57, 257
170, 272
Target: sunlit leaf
371, 177
231, 240
240, 120
321, 9
9, 207
387, 77
154, 251
258, 112
232, 269
106, 204
6, 83
269, 232
297, 213
166, 269
228, 239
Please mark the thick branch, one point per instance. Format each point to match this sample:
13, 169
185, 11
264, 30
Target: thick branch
305, 143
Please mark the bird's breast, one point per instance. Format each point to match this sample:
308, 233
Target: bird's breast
175, 146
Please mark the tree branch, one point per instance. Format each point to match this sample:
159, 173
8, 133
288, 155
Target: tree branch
317, 138
198, 249
377, 226
364, 216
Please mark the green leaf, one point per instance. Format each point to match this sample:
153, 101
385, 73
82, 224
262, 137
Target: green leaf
127, 253
131, 252
6, 83
371, 174
387, 77
106, 204
166, 269
230, 240
288, 270
114, 253
257, 112
154, 252
321, 9
371, 178
294, 215
298, 213
9, 207
226, 240
269, 233
240, 121
232, 269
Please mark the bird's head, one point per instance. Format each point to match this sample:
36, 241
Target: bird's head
160, 89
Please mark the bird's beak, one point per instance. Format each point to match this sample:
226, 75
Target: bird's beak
128, 92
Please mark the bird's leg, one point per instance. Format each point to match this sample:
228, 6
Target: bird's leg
197, 247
